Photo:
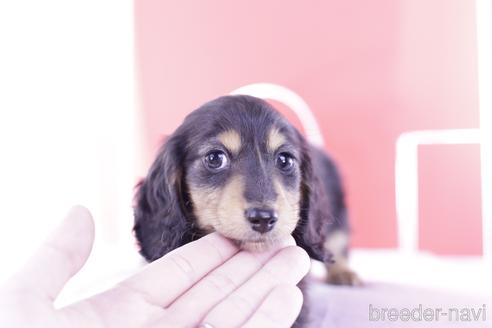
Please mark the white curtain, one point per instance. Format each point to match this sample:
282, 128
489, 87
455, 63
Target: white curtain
68, 124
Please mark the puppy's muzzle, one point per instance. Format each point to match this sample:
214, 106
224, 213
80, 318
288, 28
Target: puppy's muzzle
261, 219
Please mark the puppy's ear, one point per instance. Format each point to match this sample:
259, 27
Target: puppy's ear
160, 221
312, 229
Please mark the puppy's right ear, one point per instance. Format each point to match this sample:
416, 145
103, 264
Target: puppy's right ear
160, 221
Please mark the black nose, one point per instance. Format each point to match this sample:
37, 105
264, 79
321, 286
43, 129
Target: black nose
262, 220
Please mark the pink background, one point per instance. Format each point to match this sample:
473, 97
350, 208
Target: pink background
370, 70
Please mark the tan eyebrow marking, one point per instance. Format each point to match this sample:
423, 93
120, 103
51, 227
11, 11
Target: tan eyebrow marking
231, 140
275, 139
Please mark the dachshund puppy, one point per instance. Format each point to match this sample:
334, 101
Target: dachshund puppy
236, 166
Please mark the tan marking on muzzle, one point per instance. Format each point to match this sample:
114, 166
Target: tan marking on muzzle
231, 207
287, 205
222, 209
275, 139
231, 140
205, 202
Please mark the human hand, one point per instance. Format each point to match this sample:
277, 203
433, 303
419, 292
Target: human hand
208, 281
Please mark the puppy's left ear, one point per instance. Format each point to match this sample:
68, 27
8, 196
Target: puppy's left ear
312, 229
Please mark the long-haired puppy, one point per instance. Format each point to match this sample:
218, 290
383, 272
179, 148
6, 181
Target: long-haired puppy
236, 166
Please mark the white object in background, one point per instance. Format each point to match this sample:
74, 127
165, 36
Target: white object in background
406, 177
406, 167
67, 124
484, 49
290, 99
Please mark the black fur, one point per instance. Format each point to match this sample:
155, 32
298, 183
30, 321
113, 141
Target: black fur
163, 220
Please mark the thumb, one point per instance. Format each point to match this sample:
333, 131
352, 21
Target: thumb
61, 256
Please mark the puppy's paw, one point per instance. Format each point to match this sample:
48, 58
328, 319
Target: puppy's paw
343, 276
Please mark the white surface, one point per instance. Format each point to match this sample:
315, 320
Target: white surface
461, 274
465, 275
67, 119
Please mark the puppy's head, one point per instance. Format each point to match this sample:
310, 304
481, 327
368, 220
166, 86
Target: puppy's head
243, 171
234, 166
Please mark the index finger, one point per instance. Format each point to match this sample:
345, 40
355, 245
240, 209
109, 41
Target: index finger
163, 280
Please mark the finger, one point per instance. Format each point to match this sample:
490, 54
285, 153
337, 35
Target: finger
279, 310
165, 279
288, 266
61, 255
219, 283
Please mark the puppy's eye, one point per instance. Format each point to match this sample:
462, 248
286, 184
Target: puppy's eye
216, 160
285, 161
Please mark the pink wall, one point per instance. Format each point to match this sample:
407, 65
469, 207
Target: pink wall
370, 70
